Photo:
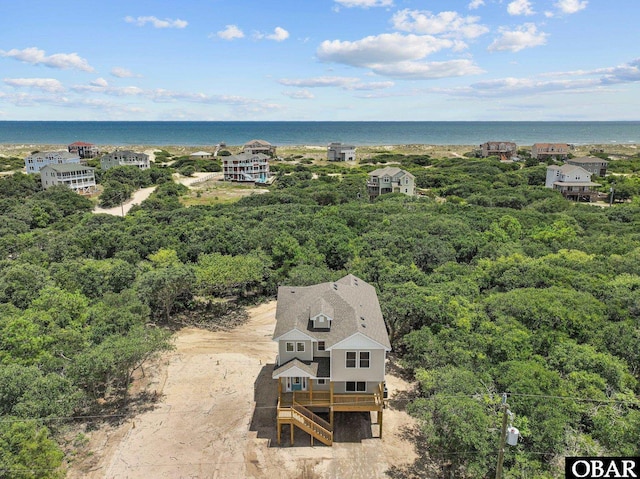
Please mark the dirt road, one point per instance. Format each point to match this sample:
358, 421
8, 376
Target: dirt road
216, 419
142, 194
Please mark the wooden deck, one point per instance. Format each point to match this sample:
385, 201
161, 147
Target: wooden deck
292, 410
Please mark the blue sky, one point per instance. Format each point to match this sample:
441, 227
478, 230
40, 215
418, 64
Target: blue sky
319, 60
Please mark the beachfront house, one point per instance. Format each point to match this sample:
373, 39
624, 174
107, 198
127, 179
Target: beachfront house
246, 167
125, 158
200, 155
574, 182
502, 149
341, 152
36, 161
79, 178
544, 151
83, 150
255, 147
594, 165
390, 180
332, 346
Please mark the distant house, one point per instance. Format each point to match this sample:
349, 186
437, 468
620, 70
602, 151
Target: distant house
36, 161
125, 158
574, 182
83, 150
201, 155
543, 151
594, 165
390, 180
502, 149
254, 147
341, 152
332, 346
79, 178
246, 167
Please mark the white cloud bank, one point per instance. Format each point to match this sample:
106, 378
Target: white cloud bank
571, 6
156, 22
36, 56
524, 36
50, 85
520, 7
120, 72
447, 24
397, 55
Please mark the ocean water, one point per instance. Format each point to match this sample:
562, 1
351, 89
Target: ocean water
359, 133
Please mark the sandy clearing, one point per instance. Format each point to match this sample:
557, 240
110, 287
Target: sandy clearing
216, 419
143, 193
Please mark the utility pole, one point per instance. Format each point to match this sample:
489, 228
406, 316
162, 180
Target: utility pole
503, 436
611, 191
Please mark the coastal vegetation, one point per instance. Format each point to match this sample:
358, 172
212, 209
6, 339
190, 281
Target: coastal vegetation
489, 284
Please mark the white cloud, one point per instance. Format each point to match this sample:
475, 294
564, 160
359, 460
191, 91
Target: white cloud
36, 56
365, 3
346, 83
427, 70
156, 22
525, 36
627, 73
299, 94
50, 85
101, 82
123, 73
475, 4
279, 34
571, 6
231, 32
448, 24
385, 48
520, 7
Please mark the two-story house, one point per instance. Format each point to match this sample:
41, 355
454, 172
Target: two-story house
332, 346
246, 167
341, 152
79, 178
593, 164
125, 158
574, 182
390, 180
255, 147
542, 151
34, 162
83, 150
502, 149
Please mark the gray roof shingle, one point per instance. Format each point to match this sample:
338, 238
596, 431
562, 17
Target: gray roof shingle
355, 309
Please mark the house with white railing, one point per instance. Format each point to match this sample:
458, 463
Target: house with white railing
36, 161
246, 167
332, 346
79, 178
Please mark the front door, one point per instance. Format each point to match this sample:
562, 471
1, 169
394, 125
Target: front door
296, 384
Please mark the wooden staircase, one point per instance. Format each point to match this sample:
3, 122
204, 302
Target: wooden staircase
301, 417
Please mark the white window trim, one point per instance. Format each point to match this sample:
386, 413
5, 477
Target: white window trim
299, 349
347, 359
360, 359
293, 347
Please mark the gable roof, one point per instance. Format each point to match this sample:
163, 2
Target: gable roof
355, 310
392, 171
587, 159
